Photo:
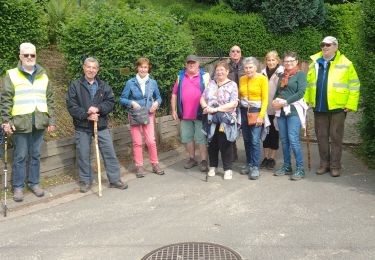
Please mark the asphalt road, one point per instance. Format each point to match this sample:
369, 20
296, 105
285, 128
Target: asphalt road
320, 217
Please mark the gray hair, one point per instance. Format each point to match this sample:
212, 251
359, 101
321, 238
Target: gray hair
91, 59
27, 46
252, 61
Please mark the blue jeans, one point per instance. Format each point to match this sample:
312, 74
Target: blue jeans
251, 138
83, 145
289, 127
27, 149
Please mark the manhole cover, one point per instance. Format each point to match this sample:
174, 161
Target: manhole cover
193, 251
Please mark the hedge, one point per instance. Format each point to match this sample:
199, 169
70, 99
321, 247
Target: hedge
20, 21
117, 37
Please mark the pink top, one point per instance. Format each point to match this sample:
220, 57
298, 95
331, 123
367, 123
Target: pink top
191, 94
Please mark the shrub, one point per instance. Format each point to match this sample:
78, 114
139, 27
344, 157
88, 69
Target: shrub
289, 15
20, 21
368, 8
117, 37
245, 6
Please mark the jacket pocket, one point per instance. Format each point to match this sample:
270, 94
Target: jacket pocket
22, 123
341, 96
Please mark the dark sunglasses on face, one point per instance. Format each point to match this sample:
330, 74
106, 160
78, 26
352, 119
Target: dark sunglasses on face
29, 55
325, 45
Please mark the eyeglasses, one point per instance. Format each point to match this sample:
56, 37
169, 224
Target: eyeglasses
236, 51
325, 45
288, 61
29, 55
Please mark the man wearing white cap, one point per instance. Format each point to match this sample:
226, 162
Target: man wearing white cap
333, 90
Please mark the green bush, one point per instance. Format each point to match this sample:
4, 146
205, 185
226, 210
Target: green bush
244, 6
289, 15
20, 21
117, 37
369, 22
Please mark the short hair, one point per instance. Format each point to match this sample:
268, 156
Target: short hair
251, 60
91, 59
141, 61
27, 46
291, 54
272, 54
223, 64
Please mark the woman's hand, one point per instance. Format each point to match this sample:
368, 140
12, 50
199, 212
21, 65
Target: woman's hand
259, 121
278, 104
135, 105
212, 110
154, 106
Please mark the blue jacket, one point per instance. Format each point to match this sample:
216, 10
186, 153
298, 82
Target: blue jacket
132, 92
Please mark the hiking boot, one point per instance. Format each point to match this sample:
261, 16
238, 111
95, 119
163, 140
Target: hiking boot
156, 169
284, 170
322, 170
264, 163
84, 187
37, 190
203, 166
119, 185
335, 172
140, 172
245, 170
271, 164
190, 163
254, 175
228, 175
298, 174
211, 172
18, 194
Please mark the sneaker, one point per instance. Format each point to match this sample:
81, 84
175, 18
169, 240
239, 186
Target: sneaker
190, 163
156, 169
284, 170
298, 174
254, 175
245, 170
228, 175
211, 172
203, 166
271, 164
37, 190
18, 194
119, 185
84, 187
264, 163
139, 172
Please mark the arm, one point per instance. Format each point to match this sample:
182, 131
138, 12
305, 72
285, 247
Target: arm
108, 102
302, 84
354, 87
73, 103
7, 95
264, 93
124, 99
174, 101
156, 95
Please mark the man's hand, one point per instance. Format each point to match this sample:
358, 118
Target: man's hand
347, 110
93, 117
154, 106
93, 110
51, 128
8, 128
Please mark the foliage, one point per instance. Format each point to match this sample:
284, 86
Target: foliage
245, 6
289, 15
117, 37
369, 22
208, 1
20, 21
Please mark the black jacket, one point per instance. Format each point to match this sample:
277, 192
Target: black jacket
78, 101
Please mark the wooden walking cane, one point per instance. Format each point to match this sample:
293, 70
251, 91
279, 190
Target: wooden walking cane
98, 158
5, 207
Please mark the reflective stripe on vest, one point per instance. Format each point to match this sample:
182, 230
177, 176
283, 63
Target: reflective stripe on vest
28, 96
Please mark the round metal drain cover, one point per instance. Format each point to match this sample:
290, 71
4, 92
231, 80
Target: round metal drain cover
193, 251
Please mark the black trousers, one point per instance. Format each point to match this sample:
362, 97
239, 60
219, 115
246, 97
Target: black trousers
220, 143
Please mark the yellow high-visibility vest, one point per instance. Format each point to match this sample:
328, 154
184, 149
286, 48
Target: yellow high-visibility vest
28, 96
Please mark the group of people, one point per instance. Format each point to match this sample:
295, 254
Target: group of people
266, 105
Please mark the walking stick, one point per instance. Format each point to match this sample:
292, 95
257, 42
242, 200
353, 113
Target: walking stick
5, 207
98, 157
308, 144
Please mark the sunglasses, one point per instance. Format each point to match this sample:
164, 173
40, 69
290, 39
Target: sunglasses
325, 45
236, 51
29, 55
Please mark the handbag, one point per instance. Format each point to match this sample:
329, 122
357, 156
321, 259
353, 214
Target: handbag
252, 117
140, 116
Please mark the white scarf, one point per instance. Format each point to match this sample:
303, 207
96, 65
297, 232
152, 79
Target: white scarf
142, 83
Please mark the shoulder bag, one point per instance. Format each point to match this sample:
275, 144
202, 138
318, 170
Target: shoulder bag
140, 116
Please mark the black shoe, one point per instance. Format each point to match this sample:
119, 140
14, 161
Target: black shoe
264, 163
271, 164
84, 187
119, 185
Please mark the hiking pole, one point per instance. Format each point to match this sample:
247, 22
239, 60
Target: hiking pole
5, 207
308, 144
97, 158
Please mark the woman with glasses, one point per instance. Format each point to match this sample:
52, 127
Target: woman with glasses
272, 71
253, 92
291, 110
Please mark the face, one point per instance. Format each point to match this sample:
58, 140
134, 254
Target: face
143, 70
28, 58
290, 62
90, 69
235, 53
221, 73
250, 70
328, 49
271, 62
192, 67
